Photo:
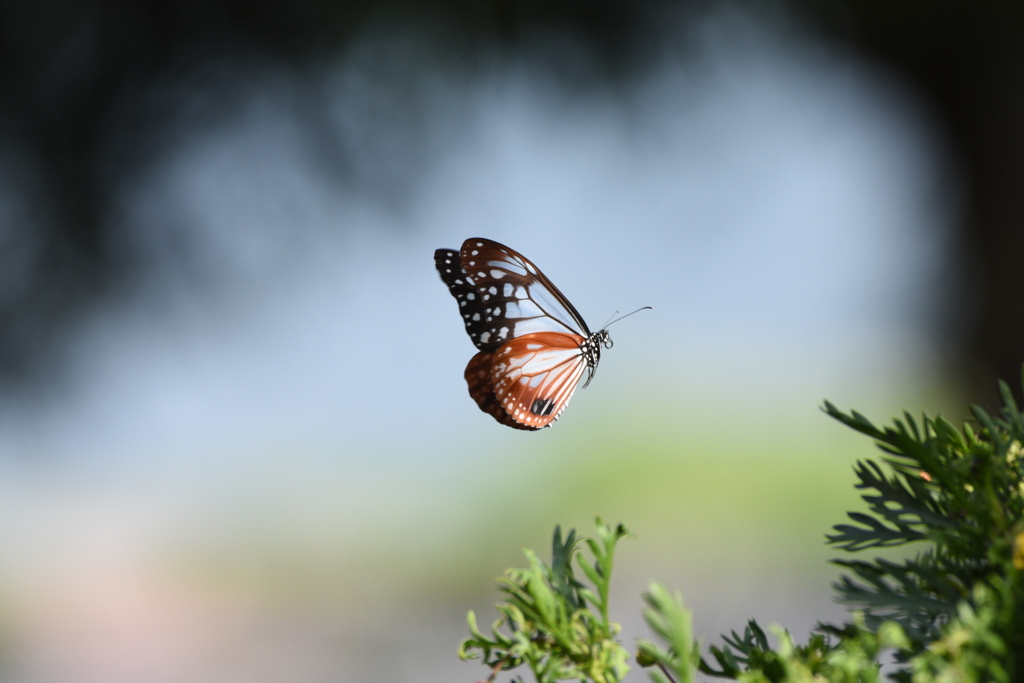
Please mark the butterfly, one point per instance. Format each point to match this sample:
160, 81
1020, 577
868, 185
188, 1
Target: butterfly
534, 345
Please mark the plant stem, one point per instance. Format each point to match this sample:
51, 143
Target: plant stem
666, 672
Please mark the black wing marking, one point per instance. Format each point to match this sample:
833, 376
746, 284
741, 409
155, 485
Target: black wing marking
471, 306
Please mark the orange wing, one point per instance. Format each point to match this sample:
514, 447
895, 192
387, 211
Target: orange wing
481, 388
531, 378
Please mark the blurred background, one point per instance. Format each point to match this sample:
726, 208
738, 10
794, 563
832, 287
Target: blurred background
235, 441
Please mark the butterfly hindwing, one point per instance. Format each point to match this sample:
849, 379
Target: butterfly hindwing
535, 375
481, 388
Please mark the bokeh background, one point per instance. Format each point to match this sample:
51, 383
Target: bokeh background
235, 442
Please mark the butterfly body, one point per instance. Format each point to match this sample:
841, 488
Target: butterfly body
534, 346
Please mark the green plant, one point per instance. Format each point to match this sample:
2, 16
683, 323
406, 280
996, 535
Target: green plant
952, 613
548, 620
962, 493
672, 623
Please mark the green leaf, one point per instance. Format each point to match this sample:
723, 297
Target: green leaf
673, 624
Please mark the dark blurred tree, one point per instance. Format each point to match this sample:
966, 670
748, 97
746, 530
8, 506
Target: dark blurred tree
78, 116
77, 112
967, 59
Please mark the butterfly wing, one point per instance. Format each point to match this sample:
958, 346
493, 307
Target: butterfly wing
534, 376
470, 303
481, 388
516, 297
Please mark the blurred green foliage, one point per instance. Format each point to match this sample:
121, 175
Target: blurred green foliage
673, 623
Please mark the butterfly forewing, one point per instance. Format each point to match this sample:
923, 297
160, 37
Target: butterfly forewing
516, 296
470, 304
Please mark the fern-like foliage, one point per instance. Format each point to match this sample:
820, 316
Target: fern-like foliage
961, 493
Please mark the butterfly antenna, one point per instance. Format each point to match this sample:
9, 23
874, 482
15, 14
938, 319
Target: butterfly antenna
612, 322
